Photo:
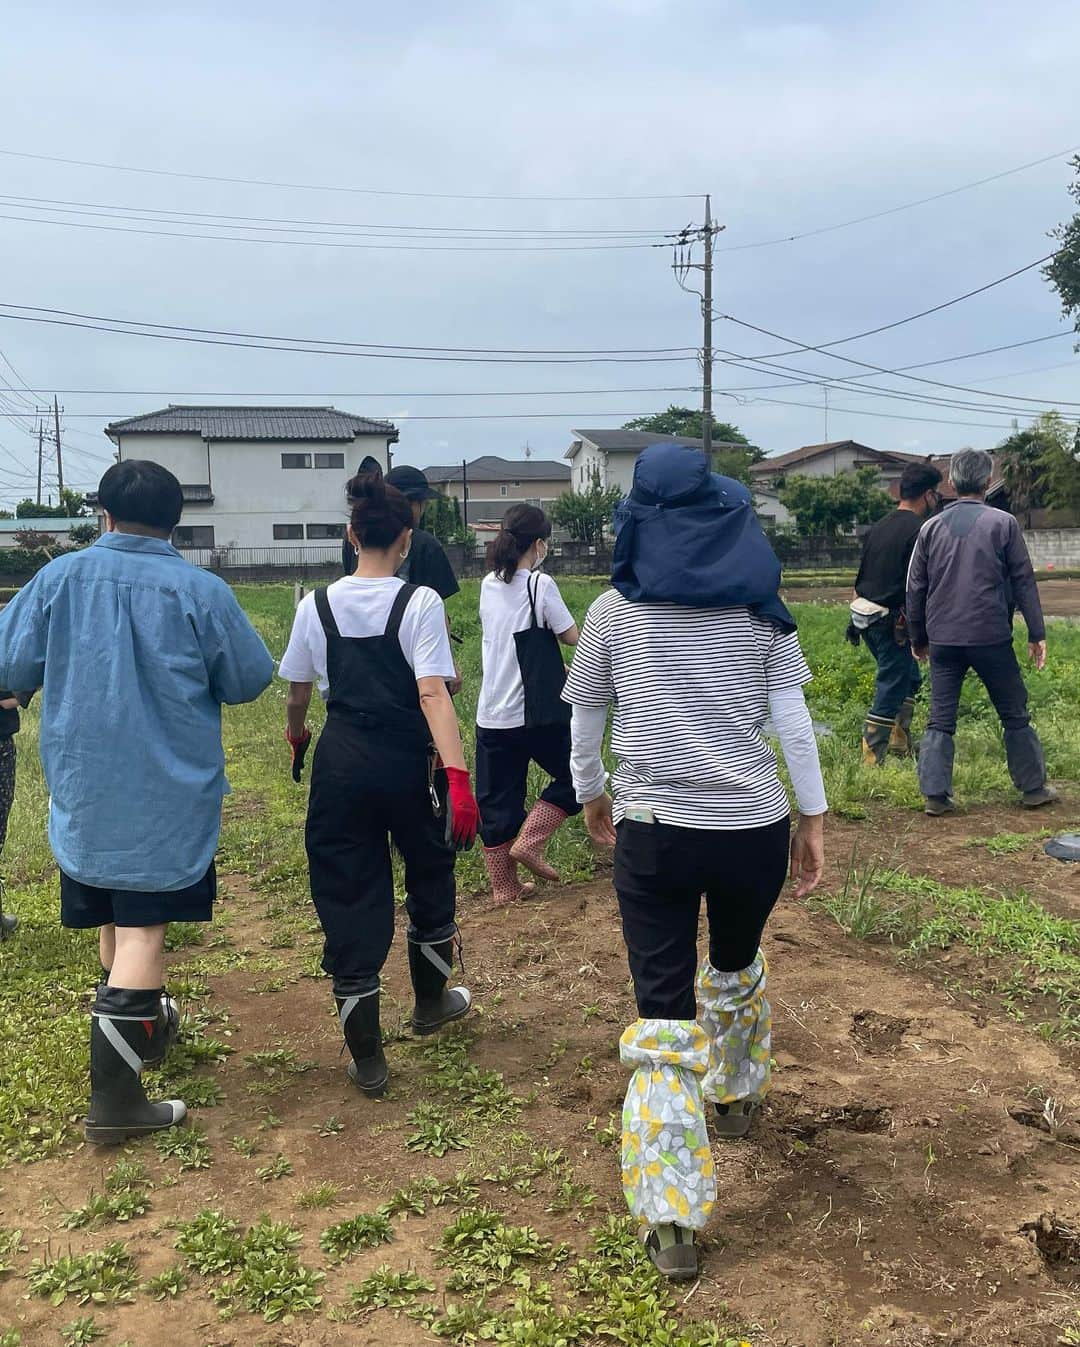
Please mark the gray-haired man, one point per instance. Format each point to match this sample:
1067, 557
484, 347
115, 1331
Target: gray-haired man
969, 571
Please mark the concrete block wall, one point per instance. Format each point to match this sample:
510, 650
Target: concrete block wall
1059, 548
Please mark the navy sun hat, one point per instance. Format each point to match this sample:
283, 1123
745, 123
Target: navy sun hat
689, 536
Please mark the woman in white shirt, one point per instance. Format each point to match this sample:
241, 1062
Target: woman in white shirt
520, 718
388, 767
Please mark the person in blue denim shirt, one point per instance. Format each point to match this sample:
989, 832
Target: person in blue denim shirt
135, 651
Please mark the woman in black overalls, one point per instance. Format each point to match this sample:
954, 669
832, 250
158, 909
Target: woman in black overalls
375, 778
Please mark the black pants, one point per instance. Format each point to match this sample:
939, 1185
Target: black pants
502, 776
365, 794
661, 873
998, 670
7, 783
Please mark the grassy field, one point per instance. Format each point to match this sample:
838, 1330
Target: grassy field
497, 1147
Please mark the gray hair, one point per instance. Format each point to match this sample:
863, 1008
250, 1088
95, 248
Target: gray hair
970, 471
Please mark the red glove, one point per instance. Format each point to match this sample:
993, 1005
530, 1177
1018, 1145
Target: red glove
299, 751
464, 811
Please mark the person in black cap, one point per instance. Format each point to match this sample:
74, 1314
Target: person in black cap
427, 564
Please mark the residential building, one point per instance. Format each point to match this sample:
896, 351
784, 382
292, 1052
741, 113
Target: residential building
494, 484
826, 460
58, 530
257, 477
608, 456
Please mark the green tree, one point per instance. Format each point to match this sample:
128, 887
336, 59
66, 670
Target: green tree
72, 506
1059, 462
1022, 470
586, 514
687, 421
828, 506
1063, 270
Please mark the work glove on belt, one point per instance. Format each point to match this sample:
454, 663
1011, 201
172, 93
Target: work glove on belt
464, 811
299, 749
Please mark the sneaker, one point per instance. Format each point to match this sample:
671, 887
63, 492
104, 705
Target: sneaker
672, 1250
1035, 799
735, 1120
938, 805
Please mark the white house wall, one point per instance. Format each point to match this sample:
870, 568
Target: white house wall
252, 491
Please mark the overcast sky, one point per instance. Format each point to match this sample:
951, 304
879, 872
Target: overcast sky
792, 123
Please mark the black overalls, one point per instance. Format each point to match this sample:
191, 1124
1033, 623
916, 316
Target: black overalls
370, 783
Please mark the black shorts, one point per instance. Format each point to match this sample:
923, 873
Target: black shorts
83, 905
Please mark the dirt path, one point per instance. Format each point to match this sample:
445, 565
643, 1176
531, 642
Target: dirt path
880, 1200
1060, 598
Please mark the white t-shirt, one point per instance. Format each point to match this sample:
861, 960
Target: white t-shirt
504, 609
361, 607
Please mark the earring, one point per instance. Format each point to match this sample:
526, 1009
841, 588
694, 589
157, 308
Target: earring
356, 550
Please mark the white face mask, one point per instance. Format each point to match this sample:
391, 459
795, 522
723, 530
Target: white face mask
541, 556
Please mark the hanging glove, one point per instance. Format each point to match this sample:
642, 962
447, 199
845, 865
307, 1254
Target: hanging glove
299, 751
464, 811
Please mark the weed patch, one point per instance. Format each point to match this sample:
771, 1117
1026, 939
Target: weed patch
104, 1276
365, 1231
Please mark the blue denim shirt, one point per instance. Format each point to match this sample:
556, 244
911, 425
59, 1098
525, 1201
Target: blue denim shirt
135, 650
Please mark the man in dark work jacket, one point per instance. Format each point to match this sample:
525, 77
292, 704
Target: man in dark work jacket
427, 563
970, 570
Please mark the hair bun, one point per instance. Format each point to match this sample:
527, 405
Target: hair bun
368, 486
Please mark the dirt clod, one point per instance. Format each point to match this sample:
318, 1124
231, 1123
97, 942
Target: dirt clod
1058, 1241
878, 1033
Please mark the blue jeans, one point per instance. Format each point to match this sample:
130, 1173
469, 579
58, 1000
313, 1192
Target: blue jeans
898, 675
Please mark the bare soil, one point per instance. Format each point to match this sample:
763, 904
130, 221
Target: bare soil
897, 1190
1060, 598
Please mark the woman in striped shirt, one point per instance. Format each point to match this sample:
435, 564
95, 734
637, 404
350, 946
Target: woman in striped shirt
695, 651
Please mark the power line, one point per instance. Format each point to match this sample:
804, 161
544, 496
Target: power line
798, 347
895, 210
483, 247
226, 221
323, 187
32, 314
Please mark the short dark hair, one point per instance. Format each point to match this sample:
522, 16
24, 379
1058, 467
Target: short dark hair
137, 491
917, 479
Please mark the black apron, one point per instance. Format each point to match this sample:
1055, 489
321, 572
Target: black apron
543, 672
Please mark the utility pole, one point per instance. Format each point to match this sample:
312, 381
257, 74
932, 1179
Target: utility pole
40, 454
706, 349
464, 493
683, 265
59, 454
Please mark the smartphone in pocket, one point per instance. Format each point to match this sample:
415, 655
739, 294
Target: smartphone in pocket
639, 813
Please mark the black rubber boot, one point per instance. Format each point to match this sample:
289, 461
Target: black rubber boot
875, 740
671, 1248
359, 1016
122, 1027
430, 965
166, 1026
8, 925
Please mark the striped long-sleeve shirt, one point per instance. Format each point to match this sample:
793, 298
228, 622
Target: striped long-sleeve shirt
691, 690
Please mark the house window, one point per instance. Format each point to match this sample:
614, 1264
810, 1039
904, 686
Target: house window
330, 461
296, 460
288, 532
502, 490
325, 532
193, 535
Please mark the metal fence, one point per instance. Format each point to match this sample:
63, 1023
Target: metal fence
260, 558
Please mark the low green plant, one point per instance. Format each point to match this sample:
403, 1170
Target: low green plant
167, 1285
484, 1251
278, 1062
1008, 844
210, 1242
422, 1193
81, 1332
386, 1289
10, 1337
11, 1243
435, 1130
188, 1145
364, 1231
331, 1127
244, 1146
324, 1194
100, 1208
103, 1276
278, 1168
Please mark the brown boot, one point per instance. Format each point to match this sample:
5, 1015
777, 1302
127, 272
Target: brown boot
901, 744
539, 828
502, 872
875, 740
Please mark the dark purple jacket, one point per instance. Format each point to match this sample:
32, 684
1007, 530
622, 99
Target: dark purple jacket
970, 571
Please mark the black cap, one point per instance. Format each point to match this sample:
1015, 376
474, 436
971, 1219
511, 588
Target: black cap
411, 482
